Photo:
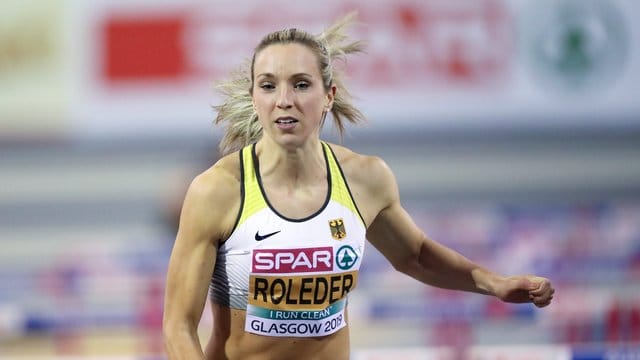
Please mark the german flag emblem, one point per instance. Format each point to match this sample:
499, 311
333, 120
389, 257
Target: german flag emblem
337, 229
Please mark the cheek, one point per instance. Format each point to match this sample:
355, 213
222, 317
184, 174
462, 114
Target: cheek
260, 100
313, 106
262, 106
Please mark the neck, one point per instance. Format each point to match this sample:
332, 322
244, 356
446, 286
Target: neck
291, 167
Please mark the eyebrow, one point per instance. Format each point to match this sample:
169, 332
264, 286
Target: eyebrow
296, 75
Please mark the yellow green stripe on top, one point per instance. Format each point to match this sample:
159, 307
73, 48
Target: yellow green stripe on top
339, 189
254, 201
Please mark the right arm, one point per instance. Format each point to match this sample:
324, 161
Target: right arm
204, 220
394, 233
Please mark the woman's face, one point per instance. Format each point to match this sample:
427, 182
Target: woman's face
288, 93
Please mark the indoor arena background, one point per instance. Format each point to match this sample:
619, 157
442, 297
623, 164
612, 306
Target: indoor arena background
513, 127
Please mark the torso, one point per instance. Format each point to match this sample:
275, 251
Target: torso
230, 341
232, 337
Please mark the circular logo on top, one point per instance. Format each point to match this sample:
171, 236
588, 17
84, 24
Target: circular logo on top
346, 257
575, 45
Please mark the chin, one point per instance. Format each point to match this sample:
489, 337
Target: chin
291, 141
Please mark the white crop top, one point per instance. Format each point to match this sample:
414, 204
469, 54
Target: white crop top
292, 276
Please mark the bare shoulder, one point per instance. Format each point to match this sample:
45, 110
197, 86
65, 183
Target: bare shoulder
372, 182
367, 169
217, 180
213, 198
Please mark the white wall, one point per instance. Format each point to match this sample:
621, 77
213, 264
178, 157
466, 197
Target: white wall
430, 64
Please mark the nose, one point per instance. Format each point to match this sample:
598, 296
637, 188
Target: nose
285, 98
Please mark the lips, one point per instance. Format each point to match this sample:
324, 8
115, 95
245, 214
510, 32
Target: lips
285, 120
286, 123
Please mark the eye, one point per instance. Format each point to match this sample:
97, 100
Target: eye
267, 86
302, 85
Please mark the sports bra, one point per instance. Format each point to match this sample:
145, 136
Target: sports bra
292, 276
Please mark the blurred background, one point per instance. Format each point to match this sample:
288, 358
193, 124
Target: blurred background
513, 127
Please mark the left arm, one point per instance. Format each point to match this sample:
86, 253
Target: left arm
409, 250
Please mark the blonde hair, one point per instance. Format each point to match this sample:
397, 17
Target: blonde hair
242, 125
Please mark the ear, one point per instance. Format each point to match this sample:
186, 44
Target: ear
331, 95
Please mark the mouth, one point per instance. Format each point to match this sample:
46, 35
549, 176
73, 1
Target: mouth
286, 120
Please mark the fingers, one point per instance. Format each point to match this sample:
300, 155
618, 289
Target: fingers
543, 300
543, 294
541, 288
544, 303
527, 288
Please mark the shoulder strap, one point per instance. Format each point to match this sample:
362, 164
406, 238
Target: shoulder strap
340, 191
253, 199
